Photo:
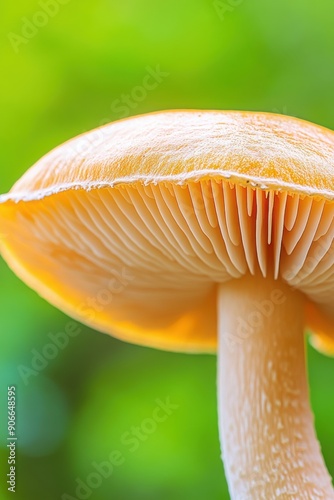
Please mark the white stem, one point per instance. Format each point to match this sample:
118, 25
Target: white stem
269, 445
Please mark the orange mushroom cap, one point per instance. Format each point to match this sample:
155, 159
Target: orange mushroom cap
130, 227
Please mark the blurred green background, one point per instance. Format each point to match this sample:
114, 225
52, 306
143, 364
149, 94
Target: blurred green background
66, 67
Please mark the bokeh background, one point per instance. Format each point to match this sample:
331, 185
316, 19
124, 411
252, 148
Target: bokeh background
68, 66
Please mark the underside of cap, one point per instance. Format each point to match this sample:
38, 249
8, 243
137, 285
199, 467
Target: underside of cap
143, 262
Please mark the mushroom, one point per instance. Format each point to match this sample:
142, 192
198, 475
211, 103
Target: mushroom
211, 231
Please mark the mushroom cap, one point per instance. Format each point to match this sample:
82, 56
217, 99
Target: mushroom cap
131, 227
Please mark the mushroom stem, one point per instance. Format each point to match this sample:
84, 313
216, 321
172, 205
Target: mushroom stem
269, 445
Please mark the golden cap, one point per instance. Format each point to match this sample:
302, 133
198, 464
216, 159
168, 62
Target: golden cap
131, 227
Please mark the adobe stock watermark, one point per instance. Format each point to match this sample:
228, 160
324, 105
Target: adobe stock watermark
225, 7
294, 277
31, 26
281, 111
323, 250
89, 309
126, 103
254, 320
122, 107
130, 442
